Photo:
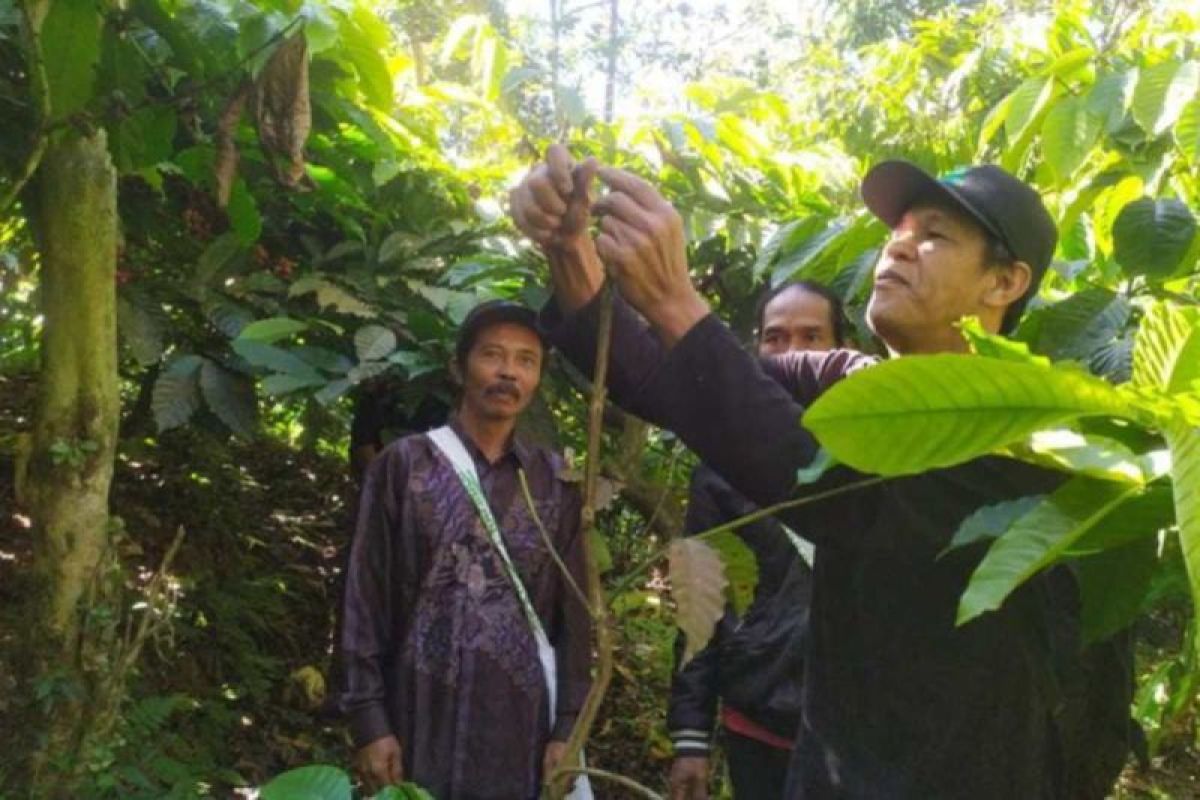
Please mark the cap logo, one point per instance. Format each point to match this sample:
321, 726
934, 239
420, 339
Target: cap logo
955, 177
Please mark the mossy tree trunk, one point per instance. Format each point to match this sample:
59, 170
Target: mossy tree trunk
73, 208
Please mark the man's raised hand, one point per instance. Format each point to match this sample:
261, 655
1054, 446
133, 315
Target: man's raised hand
641, 242
552, 206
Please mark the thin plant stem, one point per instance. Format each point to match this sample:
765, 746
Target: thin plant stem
541, 526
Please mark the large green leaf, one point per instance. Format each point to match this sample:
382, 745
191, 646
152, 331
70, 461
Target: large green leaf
920, 412
1187, 131
698, 585
231, 397
309, 783
1029, 104
1162, 92
176, 394
272, 329
1078, 326
1185, 473
1113, 586
1167, 348
1038, 538
143, 139
1151, 237
1110, 97
1068, 133
273, 358
70, 40
141, 332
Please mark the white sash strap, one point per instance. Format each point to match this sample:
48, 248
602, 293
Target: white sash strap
447, 441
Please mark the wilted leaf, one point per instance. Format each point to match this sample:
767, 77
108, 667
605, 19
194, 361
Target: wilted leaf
698, 585
282, 111
225, 163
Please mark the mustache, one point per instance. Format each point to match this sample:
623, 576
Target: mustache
505, 388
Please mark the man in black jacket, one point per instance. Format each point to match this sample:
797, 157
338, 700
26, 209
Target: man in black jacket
753, 664
899, 701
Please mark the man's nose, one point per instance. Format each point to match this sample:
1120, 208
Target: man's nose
902, 245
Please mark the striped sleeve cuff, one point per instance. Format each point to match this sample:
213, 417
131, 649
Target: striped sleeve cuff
691, 742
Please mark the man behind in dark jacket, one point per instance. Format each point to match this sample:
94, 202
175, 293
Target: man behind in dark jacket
753, 664
898, 700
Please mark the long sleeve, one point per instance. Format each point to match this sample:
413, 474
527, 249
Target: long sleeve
369, 609
720, 401
573, 640
695, 688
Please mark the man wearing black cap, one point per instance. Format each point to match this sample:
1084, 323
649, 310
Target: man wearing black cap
465, 648
899, 702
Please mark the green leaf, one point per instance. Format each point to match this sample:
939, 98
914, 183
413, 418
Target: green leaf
1093, 455
243, 213
741, 568
1029, 102
143, 139
1151, 236
405, 791
1113, 586
229, 318
285, 383
990, 522
1110, 97
698, 585
1187, 132
176, 393
375, 79
1185, 474
333, 391
1078, 326
309, 783
991, 345
1038, 538
1138, 518
276, 359
392, 247
374, 342
1161, 94
70, 39
272, 329
1167, 348
231, 397
950, 408
140, 331
220, 252
1068, 133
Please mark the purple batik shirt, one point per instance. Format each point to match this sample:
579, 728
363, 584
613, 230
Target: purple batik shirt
435, 645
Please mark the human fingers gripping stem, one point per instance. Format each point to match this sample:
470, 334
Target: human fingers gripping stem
552, 206
381, 763
641, 242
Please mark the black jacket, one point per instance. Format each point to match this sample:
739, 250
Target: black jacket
755, 662
898, 700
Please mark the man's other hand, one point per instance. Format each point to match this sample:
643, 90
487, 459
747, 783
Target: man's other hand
380, 764
689, 778
641, 241
552, 206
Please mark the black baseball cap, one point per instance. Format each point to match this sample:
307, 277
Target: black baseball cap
493, 312
1004, 205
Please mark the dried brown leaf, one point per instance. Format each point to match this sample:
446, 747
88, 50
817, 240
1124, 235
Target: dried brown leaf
282, 110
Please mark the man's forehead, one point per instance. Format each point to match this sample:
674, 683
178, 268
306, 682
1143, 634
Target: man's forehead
941, 212
509, 333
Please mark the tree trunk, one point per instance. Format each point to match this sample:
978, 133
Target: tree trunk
73, 209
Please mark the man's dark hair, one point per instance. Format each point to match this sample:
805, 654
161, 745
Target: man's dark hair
837, 311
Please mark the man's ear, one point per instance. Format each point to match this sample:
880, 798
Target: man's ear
1008, 285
